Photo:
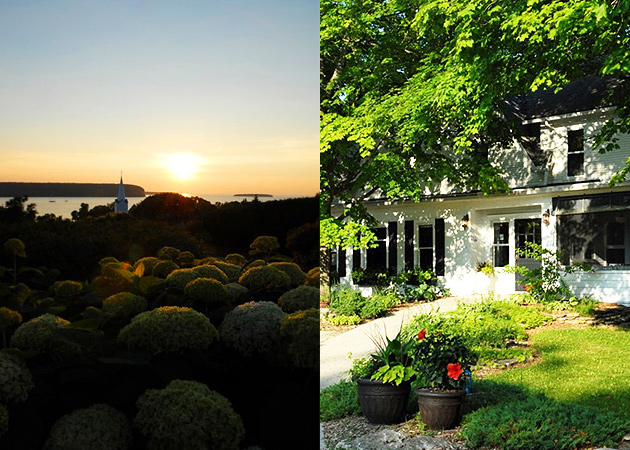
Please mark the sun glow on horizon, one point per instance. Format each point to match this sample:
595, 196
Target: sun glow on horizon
182, 166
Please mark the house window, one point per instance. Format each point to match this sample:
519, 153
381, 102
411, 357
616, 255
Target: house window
338, 264
615, 242
599, 239
575, 156
425, 246
501, 245
377, 256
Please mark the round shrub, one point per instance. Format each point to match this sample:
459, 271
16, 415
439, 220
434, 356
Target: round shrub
107, 260
207, 292
232, 271
186, 259
67, 289
148, 262
211, 271
168, 253
294, 272
99, 427
299, 299
16, 247
208, 260
265, 278
256, 263
300, 331
178, 279
235, 258
312, 277
169, 329
4, 420
125, 304
253, 328
236, 293
188, 415
163, 268
9, 318
265, 244
15, 379
38, 334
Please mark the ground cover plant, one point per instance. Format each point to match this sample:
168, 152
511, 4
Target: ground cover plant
141, 357
573, 395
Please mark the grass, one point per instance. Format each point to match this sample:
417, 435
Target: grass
576, 397
339, 400
582, 366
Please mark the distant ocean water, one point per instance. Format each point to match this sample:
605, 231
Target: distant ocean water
63, 206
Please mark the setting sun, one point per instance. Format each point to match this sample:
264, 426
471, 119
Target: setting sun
182, 166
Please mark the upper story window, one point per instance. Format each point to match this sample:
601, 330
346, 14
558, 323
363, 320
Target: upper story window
575, 155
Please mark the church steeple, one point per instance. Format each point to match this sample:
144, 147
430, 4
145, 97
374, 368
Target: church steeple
121, 204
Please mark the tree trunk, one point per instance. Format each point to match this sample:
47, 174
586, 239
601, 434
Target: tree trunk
324, 272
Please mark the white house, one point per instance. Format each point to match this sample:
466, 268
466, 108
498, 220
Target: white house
559, 197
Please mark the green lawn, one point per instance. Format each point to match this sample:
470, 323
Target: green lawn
582, 366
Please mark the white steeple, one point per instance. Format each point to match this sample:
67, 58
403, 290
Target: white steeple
121, 204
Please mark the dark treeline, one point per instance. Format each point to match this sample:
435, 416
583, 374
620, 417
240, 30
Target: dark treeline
188, 223
10, 189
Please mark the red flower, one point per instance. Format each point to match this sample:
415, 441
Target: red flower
454, 371
422, 334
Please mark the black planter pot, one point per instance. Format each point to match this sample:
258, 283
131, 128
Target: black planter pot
383, 403
440, 410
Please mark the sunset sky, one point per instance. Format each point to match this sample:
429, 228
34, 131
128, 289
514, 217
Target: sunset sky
204, 97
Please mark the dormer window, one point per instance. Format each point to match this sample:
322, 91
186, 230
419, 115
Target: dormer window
575, 155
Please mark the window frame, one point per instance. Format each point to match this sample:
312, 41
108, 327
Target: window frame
575, 153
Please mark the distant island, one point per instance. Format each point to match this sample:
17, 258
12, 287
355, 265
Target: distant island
10, 189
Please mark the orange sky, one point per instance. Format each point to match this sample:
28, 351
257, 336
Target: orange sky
200, 97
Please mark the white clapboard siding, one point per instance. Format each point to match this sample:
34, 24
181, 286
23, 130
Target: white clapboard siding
611, 286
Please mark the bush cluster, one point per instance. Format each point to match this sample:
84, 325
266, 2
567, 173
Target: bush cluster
188, 415
265, 278
300, 332
125, 305
296, 276
178, 279
232, 271
488, 327
163, 268
299, 299
15, 379
253, 328
348, 302
205, 293
169, 329
39, 334
211, 271
99, 427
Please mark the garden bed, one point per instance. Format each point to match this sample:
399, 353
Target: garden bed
605, 316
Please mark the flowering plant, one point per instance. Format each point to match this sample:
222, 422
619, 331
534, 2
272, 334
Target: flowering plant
485, 268
440, 360
391, 362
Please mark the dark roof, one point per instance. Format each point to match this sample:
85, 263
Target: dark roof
580, 95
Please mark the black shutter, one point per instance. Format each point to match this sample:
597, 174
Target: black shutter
440, 247
392, 231
408, 244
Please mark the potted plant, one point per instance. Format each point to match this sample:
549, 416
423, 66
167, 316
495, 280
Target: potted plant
440, 362
384, 380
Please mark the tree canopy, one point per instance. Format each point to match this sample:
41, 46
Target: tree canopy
413, 91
